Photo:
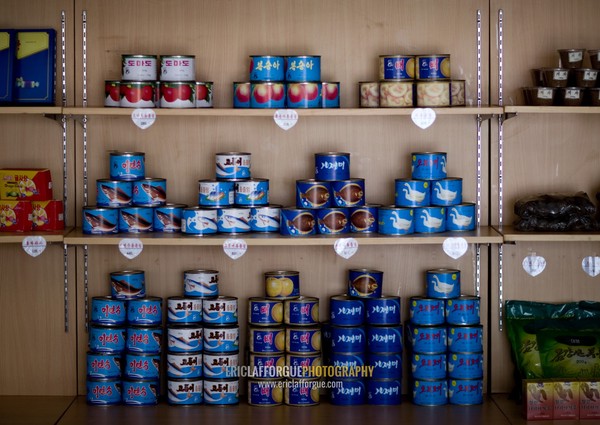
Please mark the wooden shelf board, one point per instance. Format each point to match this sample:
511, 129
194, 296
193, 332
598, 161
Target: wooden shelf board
30, 110
17, 237
511, 235
552, 109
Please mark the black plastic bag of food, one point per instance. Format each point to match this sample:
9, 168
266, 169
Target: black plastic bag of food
567, 224
555, 205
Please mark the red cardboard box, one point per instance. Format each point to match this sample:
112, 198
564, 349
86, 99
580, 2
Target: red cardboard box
566, 400
25, 184
538, 403
48, 215
16, 216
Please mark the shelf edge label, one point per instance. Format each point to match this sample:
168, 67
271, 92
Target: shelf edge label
131, 248
235, 248
143, 118
34, 245
591, 265
345, 247
285, 118
455, 247
534, 264
423, 117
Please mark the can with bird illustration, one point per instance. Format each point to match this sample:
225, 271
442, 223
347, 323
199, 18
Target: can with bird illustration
412, 193
145, 311
128, 284
100, 220
364, 218
199, 221
167, 218
333, 221
265, 218
136, 219
232, 165
141, 392
349, 192
311, 193
446, 191
427, 339
461, 217
184, 310
184, 365
463, 310
430, 219
150, 192
185, 391
465, 365
428, 165
144, 339
233, 220
251, 192
184, 338
443, 283
127, 165
113, 193
365, 283
142, 365
216, 193
297, 222
393, 220
428, 365
222, 310
201, 283
430, 392
331, 166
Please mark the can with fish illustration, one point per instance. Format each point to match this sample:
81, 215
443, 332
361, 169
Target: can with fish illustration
384, 310
185, 391
384, 339
106, 339
331, 166
348, 392
427, 311
432, 67
302, 340
301, 392
220, 365
412, 193
265, 218
428, 165
233, 220
145, 311
297, 222
384, 391
465, 339
428, 365
108, 311
184, 310
222, 339
103, 391
365, 283
265, 393
396, 221
465, 392
332, 221
446, 191
167, 218
463, 310
233, 165
430, 392
100, 220
113, 193
144, 339
177, 68
385, 365
136, 219
396, 67
127, 165
330, 94
251, 192
465, 365
150, 192
139, 67
141, 365
267, 340
348, 339
267, 68
430, 219
199, 221
201, 283
103, 364
184, 338
443, 283
302, 311
302, 95
282, 284
220, 311
348, 193
265, 312
427, 339
184, 365
346, 311
128, 284
216, 193
302, 68
241, 94
364, 218
461, 217
221, 392
311, 193
141, 392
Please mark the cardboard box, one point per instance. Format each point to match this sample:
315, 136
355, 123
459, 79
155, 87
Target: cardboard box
30, 184
538, 403
48, 215
16, 216
34, 73
589, 400
566, 399
7, 59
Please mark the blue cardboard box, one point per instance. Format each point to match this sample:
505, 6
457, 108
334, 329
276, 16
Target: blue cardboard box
34, 72
7, 57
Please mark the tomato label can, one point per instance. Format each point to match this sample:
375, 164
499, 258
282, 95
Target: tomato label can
266, 340
105, 339
364, 219
100, 220
201, 283
348, 392
430, 219
465, 365
252, 192
384, 391
103, 365
220, 311
331, 166
461, 217
216, 193
297, 222
302, 311
221, 392
137, 94
385, 365
365, 283
412, 193
185, 392
346, 311
427, 339
112, 93
443, 283
177, 68
383, 311
304, 95
446, 191
113, 193
330, 94
142, 366
433, 67
182, 310
221, 339
198, 221
103, 391
348, 339
108, 311
144, 339
140, 392
139, 67
262, 311
128, 284
427, 311
127, 165
396, 67
265, 218
265, 393
167, 218
267, 95
184, 365
430, 392
428, 165
233, 165
220, 365
302, 68
465, 392
267, 68
465, 339
145, 311
333, 221
150, 192
302, 340
312, 193
178, 95
348, 193
463, 310
136, 219
184, 338
241, 94
384, 339
428, 365
396, 221
204, 94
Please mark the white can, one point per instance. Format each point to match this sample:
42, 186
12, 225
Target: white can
139, 67
177, 68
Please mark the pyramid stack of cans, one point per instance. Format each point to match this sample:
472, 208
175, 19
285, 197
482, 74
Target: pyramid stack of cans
125, 330
283, 331
446, 346
363, 342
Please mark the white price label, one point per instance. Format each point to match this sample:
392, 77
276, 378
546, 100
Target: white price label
534, 264
143, 118
346, 247
235, 248
455, 247
285, 118
130, 248
591, 265
34, 245
423, 117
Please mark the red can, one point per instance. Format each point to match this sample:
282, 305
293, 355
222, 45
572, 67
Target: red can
178, 94
137, 94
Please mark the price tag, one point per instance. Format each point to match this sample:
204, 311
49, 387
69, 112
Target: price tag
423, 117
591, 265
143, 118
346, 247
34, 245
455, 247
130, 248
285, 118
534, 264
235, 248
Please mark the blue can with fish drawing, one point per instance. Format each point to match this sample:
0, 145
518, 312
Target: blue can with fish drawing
465, 365
108, 311
297, 222
333, 221
251, 192
220, 311
465, 392
100, 220
201, 283
145, 311
141, 392
427, 311
384, 391
346, 311
128, 284
365, 283
427, 392
103, 365
167, 218
103, 391
220, 365
106, 339
429, 165
447, 191
142, 366
221, 392
216, 193
428, 365
144, 339
348, 193
396, 221
331, 166
443, 283
412, 193
185, 391
465, 339
384, 339
364, 218
348, 392
113, 193
385, 365
461, 217
348, 339
427, 339
267, 68
150, 192
232, 165
311, 193
303, 68
383, 311
430, 219
136, 219
184, 310
221, 339
199, 221
184, 338
127, 165
233, 220
463, 310
265, 218
184, 365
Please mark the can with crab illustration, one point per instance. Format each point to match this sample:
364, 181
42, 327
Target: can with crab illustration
443, 283
412, 193
365, 283
396, 221
428, 165
150, 192
461, 217
297, 222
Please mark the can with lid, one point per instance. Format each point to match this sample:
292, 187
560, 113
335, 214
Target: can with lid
221, 392
384, 391
457, 93
150, 192
128, 284
396, 94
220, 365
184, 338
241, 94
167, 218
432, 67
220, 311
364, 218
385, 365
430, 392
430, 219
265, 95
266, 366
301, 392
302, 311
331, 166
265, 312
103, 391
177, 68
353, 361
184, 310
303, 365
348, 339
330, 94
251, 192
103, 365
267, 68
465, 365
113, 193
144, 339
427, 339
233, 165
393, 220
446, 191
301, 95
427, 311
311, 193
138, 94
384, 339
265, 218
383, 311
346, 311
100, 220
433, 93
141, 392
112, 92
282, 284
199, 221
443, 283
106, 339
185, 392
465, 392
127, 165
428, 365
145, 311
184, 365
396, 67
222, 339
139, 67
333, 221
178, 94
365, 283
269, 340
368, 94
136, 219
297, 222
201, 283
233, 220
302, 68
142, 365
265, 393
412, 193
348, 392
465, 339
428, 165
216, 193
204, 94
302, 340
463, 310
108, 311
461, 217
348, 193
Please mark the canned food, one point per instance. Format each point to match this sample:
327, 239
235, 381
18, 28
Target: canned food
465, 392
331, 166
113, 193
185, 392
137, 94
465, 339
428, 165
177, 68
184, 338
427, 311
267, 95
433, 67
142, 366
297, 222
178, 95
465, 365
302, 68
365, 283
383, 311
252, 192
348, 392
141, 392
204, 94
233, 165
108, 311
233, 220
364, 218
103, 391
100, 220
348, 339
128, 284
201, 283
384, 391
103, 365
220, 311
384, 339
144, 339
430, 219
457, 93
427, 339
139, 67
313, 194
304, 95
198, 221
396, 221
241, 94
447, 191
150, 192
262, 311
112, 93
221, 392
412, 193
266, 366
145, 311
332, 221
184, 365
223, 339
301, 392
220, 365
104, 339
433, 93
303, 366
428, 365
127, 165
301, 311
443, 283
302, 340
463, 310
267, 68
346, 311
396, 94
216, 193
167, 218
396, 67
348, 193
385, 365
282, 284
330, 94
368, 94
461, 217
265, 218
136, 219
430, 393
266, 340
182, 310
265, 393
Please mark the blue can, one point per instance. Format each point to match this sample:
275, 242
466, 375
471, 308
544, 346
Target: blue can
330, 94
348, 339
167, 218
297, 222
185, 392
303, 366
301, 392
183, 311
396, 220
396, 67
304, 95
136, 219
100, 220
346, 311
430, 219
364, 218
199, 221
113, 193
333, 221
465, 365
233, 220
103, 391
302, 340
429, 165
220, 311
430, 392
313, 194
103, 365
348, 360
142, 366
266, 340
384, 339
443, 283
385, 365
463, 310
384, 391
251, 192
302, 68
241, 94
216, 193
282, 284
141, 392
266, 365
221, 392
447, 191
265, 218
128, 284
233, 165
365, 283
267, 68
145, 311
412, 193
348, 392
427, 339
267, 95
201, 283
461, 217
301, 311
262, 311
265, 393
349, 192
144, 339
150, 192
331, 166
383, 311
105, 339
428, 365
433, 67
465, 392
184, 365
108, 311
224, 339
427, 311
220, 365
465, 339
127, 165
184, 338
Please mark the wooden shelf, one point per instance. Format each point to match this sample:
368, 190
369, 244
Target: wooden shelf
482, 235
17, 237
30, 110
552, 109
509, 234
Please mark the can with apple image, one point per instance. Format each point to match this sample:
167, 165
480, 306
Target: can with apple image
304, 95
204, 94
241, 94
330, 94
112, 93
178, 94
266, 95
137, 94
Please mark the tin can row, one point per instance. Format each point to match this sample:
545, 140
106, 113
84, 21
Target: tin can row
147, 191
376, 339
300, 311
301, 340
407, 94
275, 392
220, 310
440, 339
200, 221
463, 310
395, 220
315, 194
285, 68
113, 311
223, 193
275, 95
446, 365
144, 67
352, 392
210, 365
422, 193
409, 67
465, 392
158, 94
348, 310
